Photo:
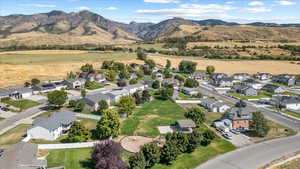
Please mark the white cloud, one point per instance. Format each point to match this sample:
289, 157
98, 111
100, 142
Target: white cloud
111, 8
258, 10
256, 3
230, 2
82, 8
285, 3
162, 1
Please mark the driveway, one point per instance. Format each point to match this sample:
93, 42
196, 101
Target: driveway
240, 140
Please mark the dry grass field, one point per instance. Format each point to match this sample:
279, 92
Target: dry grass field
20, 66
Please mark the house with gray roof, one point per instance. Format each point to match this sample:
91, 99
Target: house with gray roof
16, 94
115, 95
171, 82
134, 88
185, 126
92, 101
262, 76
75, 83
245, 90
290, 103
272, 88
214, 105
241, 76
240, 118
198, 76
221, 82
190, 91
284, 79
52, 127
252, 83
22, 156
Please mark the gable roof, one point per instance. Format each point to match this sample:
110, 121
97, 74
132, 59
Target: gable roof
270, 87
95, 98
186, 123
53, 122
16, 90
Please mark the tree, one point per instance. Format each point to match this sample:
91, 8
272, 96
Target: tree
133, 81
166, 93
87, 68
88, 84
80, 106
27, 84
72, 103
146, 96
83, 93
123, 75
259, 125
137, 161
151, 153
140, 73
108, 125
210, 69
57, 98
156, 84
151, 63
77, 133
71, 75
137, 98
126, 104
208, 136
169, 153
180, 78
191, 83
196, 114
102, 106
187, 66
141, 54
107, 64
167, 73
35, 81
241, 104
168, 64
180, 140
121, 83
110, 75
107, 155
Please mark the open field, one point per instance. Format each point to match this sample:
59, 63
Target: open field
156, 113
234, 66
22, 104
19, 66
70, 158
13, 136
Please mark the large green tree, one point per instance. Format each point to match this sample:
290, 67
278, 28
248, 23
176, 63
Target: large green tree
77, 133
141, 54
191, 83
151, 153
87, 68
137, 161
102, 106
126, 105
108, 125
196, 114
187, 66
168, 64
259, 125
210, 69
169, 153
57, 98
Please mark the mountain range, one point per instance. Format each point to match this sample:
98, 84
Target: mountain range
85, 27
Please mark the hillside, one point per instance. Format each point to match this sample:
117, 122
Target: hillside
75, 28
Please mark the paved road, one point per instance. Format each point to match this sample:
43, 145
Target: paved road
9, 123
256, 155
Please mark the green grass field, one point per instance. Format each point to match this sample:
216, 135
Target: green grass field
151, 115
62, 58
70, 158
94, 86
13, 136
199, 156
22, 104
261, 95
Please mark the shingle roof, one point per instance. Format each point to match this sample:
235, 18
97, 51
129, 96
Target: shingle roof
53, 122
186, 123
95, 98
16, 90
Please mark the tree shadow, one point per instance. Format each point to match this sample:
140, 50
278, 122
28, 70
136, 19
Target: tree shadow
87, 164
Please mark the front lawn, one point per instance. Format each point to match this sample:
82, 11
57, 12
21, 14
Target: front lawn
70, 158
94, 86
22, 104
261, 95
199, 156
13, 136
156, 113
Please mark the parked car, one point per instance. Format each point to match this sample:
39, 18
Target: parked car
235, 132
227, 136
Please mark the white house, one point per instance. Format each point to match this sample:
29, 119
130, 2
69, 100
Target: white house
190, 91
214, 105
52, 127
253, 83
16, 94
134, 88
291, 103
75, 83
115, 95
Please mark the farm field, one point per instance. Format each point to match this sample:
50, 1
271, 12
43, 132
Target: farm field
16, 67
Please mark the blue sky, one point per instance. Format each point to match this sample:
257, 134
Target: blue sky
242, 11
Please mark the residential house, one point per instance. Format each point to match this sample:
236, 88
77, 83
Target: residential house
290, 103
221, 82
190, 91
218, 76
132, 75
115, 95
284, 79
92, 101
240, 118
272, 88
245, 90
214, 105
252, 83
50, 128
198, 76
134, 88
16, 94
96, 77
75, 83
263, 76
22, 155
44, 87
59, 85
241, 76
158, 76
171, 82
185, 126
134, 65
